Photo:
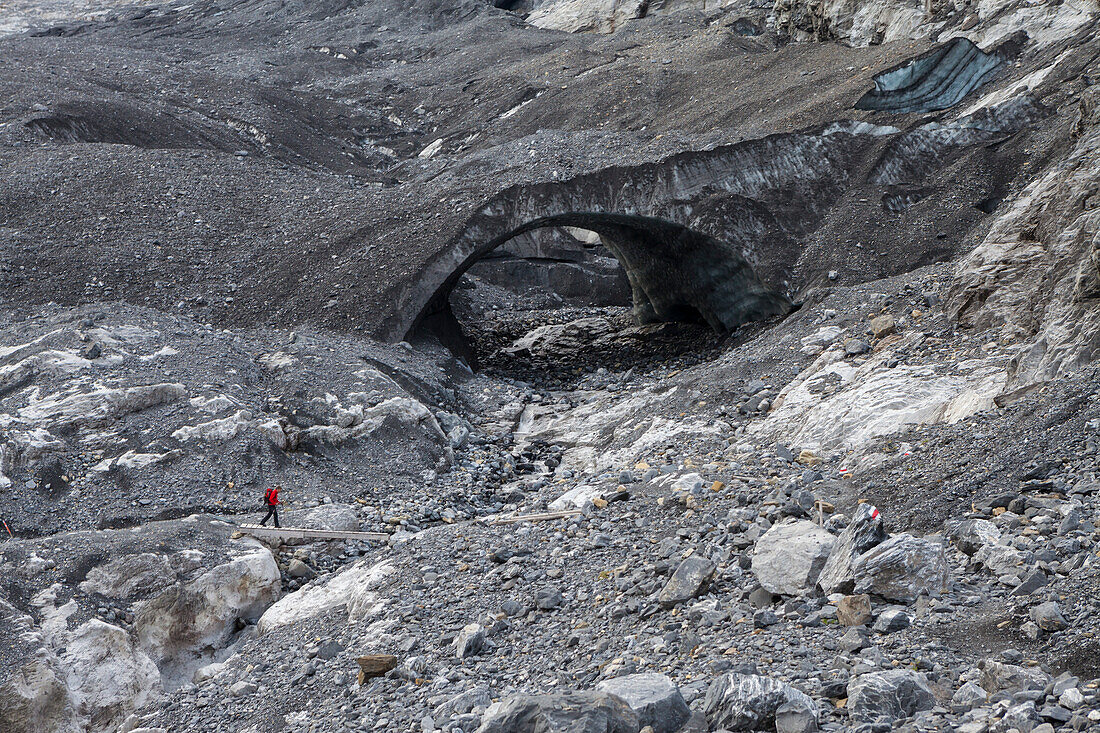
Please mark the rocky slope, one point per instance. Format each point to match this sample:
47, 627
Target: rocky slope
784, 318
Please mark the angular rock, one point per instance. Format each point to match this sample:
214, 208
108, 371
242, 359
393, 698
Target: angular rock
883, 325
470, 641
654, 697
902, 568
298, 569
970, 535
690, 578
795, 717
969, 695
741, 702
1002, 559
789, 557
464, 703
854, 639
891, 620
895, 693
548, 598
854, 610
375, 665
562, 712
1032, 582
862, 533
997, 676
1048, 616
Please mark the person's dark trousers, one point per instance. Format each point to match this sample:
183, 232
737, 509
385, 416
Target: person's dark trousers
272, 511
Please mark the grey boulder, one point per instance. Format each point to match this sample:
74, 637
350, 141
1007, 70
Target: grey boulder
470, 641
790, 556
997, 676
895, 693
970, 535
740, 702
1048, 616
654, 697
902, 568
862, 533
564, 712
690, 578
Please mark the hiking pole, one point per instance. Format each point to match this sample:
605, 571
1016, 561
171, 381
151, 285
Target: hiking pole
10, 535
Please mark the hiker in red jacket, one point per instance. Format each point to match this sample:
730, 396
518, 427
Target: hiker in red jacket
271, 499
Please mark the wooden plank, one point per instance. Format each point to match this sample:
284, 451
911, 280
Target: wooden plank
537, 517
302, 533
375, 665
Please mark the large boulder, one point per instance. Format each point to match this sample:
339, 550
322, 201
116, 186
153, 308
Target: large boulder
335, 517
970, 535
739, 702
35, 698
355, 589
562, 712
1004, 559
790, 556
654, 697
895, 693
690, 578
862, 533
997, 676
902, 568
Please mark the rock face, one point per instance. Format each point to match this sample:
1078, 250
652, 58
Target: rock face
790, 556
902, 568
862, 533
189, 617
690, 578
36, 698
654, 697
749, 702
896, 693
108, 674
566, 712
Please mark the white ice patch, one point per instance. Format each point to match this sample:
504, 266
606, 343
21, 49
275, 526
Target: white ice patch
161, 352
219, 430
353, 589
835, 404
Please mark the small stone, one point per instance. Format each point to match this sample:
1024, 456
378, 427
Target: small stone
891, 620
242, 688
883, 325
470, 641
298, 569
